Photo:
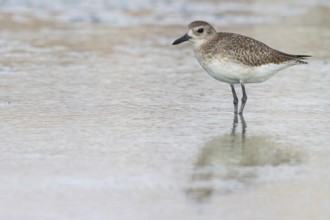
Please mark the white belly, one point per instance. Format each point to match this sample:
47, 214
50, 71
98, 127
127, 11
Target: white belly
234, 73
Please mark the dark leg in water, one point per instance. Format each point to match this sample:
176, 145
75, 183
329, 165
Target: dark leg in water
235, 98
244, 99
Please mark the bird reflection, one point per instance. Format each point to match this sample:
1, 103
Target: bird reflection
233, 161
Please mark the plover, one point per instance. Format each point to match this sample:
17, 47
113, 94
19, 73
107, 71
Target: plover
234, 58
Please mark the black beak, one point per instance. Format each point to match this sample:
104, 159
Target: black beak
181, 39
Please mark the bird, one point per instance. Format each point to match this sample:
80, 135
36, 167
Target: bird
236, 59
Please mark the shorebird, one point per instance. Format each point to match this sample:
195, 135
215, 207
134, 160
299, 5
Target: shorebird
236, 59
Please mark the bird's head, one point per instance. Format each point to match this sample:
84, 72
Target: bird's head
198, 33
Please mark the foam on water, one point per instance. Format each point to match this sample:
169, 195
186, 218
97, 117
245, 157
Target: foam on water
139, 12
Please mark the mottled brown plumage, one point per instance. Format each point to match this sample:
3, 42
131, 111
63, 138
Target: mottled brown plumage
247, 50
244, 49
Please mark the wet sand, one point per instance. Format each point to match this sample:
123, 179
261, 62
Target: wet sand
109, 121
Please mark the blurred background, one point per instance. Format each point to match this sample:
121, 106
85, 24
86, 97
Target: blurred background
166, 12
102, 118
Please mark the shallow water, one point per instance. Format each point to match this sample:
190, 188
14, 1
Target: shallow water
103, 119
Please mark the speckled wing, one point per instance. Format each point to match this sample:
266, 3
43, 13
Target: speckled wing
252, 52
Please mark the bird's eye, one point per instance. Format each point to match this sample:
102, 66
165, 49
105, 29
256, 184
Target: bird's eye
200, 30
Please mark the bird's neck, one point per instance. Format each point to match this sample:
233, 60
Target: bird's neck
198, 44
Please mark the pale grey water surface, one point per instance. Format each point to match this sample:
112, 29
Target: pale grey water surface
101, 118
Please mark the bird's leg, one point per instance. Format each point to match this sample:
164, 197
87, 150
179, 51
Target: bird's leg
244, 98
235, 98
235, 122
243, 124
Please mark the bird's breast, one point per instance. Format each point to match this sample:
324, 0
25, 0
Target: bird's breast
219, 67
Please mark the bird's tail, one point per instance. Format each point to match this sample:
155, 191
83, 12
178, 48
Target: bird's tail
300, 59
